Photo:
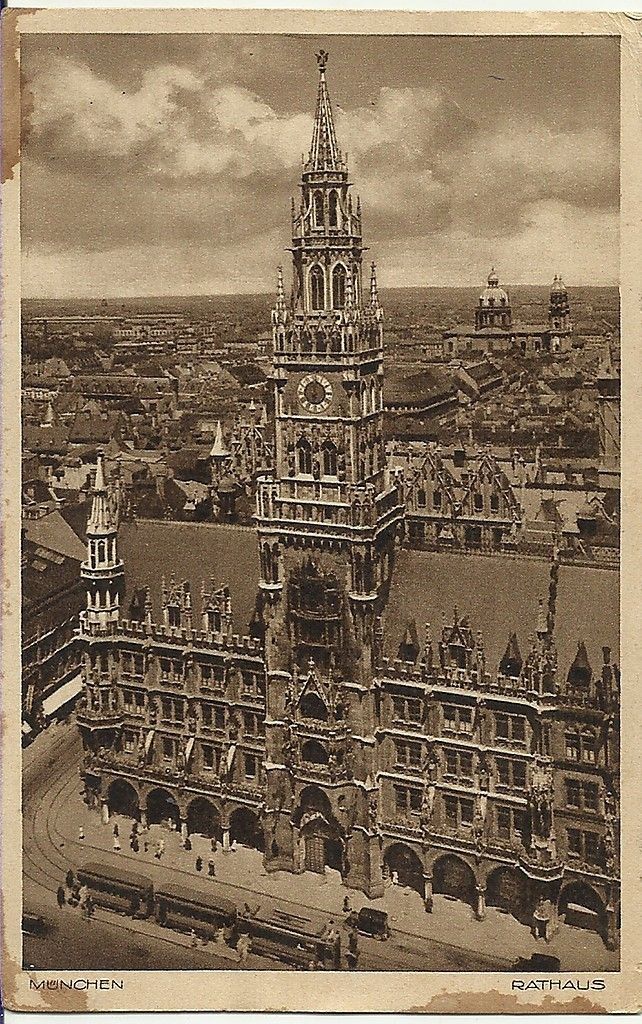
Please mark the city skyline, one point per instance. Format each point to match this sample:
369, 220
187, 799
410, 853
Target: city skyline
143, 161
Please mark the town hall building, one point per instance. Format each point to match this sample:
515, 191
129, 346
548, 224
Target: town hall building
496, 785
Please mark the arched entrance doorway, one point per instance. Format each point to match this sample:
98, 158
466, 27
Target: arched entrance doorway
505, 890
203, 819
162, 807
123, 799
453, 877
580, 906
321, 835
404, 864
245, 828
323, 846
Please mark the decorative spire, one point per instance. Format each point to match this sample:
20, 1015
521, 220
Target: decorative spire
219, 451
324, 151
349, 290
101, 520
374, 296
280, 292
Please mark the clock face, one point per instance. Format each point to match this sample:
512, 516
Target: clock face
315, 393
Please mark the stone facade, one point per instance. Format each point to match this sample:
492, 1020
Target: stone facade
301, 739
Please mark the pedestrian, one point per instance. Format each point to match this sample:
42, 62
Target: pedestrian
69, 878
81, 833
244, 946
135, 828
161, 846
145, 846
61, 896
347, 909
213, 844
187, 844
193, 938
116, 832
90, 907
135, 845
199, 864
351, 960
211, 868
116, 844
353, 942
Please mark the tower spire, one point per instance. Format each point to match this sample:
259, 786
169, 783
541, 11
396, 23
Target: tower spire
324, 151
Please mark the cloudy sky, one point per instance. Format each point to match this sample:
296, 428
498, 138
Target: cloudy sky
164, 165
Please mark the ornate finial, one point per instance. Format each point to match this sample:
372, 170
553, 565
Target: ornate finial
322, 59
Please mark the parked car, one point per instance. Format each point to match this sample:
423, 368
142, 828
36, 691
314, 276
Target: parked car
370, 922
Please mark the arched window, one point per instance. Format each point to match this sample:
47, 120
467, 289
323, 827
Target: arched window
318, 209
312, 706
333, 209
329, 456
339, 286
304, 457
317, 287
373, 396
314, 752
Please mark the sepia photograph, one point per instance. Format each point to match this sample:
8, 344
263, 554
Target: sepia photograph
319, 504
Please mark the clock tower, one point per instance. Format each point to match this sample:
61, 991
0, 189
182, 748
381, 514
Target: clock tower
327, 523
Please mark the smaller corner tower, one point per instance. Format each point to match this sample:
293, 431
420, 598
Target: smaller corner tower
103, 572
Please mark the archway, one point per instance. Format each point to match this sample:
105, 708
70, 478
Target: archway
323, 845
505, 890
123, 799
314, 752
580, 906
245, 828
453, 877
203, 819
406, 865
161, 807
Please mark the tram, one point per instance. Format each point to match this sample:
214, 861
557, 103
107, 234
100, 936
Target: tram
123, 891
184, 909
292, 938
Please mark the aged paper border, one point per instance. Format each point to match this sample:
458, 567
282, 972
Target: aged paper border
301, 991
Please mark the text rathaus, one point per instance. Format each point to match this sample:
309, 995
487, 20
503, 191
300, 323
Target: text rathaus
495, 786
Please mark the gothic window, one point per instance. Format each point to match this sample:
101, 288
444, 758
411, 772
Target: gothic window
317, 287
329, 455
339, 286
333, 209
479, 502
421, 498
436, 500
318, 209
373, 396
304, 457
494, 502
214, 621
312, 706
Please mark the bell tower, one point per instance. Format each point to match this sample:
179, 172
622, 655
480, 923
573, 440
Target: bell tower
327, 522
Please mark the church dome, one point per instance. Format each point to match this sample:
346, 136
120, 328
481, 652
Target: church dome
493, 295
